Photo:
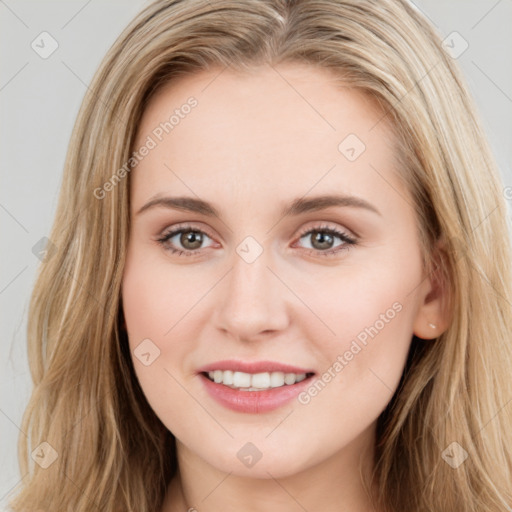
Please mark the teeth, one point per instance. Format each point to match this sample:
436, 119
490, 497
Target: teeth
276, 379
227, 377
241, 380
255, 381
260, 380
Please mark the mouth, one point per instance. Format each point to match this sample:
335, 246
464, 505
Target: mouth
263, 381
254, 393
254, 386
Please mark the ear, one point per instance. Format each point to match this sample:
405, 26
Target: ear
434, 314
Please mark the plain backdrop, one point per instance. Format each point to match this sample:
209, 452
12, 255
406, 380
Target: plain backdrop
40, 98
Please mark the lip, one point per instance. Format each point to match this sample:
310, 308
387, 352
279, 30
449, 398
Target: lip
253, 402
252, 367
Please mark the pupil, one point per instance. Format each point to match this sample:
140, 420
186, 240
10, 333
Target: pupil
191, 239
324, 240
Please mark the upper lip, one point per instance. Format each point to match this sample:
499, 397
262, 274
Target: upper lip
253, 367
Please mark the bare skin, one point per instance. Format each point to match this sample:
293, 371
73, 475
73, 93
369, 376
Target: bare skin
253, 144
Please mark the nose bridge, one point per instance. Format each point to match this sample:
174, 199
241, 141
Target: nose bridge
252, 299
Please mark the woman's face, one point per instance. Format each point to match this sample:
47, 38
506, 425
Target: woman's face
334, 286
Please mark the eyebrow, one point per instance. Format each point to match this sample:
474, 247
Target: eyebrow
298, 206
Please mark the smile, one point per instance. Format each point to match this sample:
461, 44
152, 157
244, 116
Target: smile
256, 381
255, 400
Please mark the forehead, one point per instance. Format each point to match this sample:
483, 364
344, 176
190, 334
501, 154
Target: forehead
275, 130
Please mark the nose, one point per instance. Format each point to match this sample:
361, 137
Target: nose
252, 301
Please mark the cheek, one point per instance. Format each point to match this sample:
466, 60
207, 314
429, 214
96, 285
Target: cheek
367, 316
161, 305
362, 370
157, 296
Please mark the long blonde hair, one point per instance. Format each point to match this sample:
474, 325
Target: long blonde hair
113, 453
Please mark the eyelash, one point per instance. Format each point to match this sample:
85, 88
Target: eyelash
348, 241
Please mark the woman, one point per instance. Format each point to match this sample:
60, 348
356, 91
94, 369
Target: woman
189, 352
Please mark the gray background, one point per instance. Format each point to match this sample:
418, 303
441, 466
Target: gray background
40, 98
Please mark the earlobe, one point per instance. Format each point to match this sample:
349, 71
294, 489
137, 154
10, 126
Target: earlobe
434, 313
433, 332
427, 331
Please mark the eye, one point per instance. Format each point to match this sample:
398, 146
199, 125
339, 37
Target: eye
322, 240
189, 238
186, 240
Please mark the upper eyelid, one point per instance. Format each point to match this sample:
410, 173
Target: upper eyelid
176, 228
303, 230
325, 226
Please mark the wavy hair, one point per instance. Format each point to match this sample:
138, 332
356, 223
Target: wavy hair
113, 453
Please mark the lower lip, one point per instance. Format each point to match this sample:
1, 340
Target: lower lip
253, 401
